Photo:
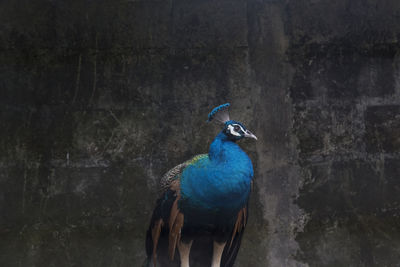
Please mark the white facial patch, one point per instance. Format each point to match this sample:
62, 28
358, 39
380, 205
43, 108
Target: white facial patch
231, 129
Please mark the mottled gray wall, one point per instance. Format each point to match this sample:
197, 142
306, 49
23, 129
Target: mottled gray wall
99, 98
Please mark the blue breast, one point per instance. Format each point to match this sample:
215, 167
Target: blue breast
219, 182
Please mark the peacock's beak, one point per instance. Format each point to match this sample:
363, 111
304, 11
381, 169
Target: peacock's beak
250, 135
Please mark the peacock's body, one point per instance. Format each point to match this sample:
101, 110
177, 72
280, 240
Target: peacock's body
204, 203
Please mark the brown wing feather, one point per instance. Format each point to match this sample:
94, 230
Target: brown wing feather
176, 220
239, 224
175, 235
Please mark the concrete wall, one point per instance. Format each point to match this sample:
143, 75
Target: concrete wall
99, 98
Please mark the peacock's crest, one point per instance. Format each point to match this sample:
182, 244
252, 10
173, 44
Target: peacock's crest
219, 113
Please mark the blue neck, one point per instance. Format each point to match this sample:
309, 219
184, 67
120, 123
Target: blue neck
222, 180
218, 150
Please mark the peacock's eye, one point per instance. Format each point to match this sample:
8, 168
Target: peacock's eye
236, 128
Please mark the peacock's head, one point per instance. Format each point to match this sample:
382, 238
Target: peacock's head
234, 130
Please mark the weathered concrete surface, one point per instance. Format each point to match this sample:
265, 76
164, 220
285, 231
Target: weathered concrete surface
99, 98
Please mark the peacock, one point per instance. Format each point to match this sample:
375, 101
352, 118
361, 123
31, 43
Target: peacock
203, 208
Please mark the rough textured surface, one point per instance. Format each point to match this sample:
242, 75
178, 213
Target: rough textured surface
99, 98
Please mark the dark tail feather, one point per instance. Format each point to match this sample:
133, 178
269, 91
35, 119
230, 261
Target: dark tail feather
229, 254
157, 234
232, 247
